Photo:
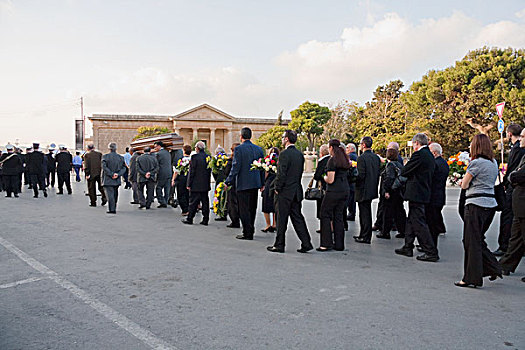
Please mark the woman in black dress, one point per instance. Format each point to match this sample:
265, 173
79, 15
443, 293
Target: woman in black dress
334, 201
268, 207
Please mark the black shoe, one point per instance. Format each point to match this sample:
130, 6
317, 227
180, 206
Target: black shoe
400, 235
92, 205
104, 201
134, 202
361, 240
162, 206
204, 223
523, 279
505, 272
16, 195
68, 192
350, 218
8, 196
376, 228
243, 237
274, 249
111, 212
382, 236
60, 192
268, 229
318, 231
304, 250
187, 222
35, 196
323, 249
405, 251
142, 206
426, 257
233, 226
220, 219
495, 277
464, 285
45, 193
499, 252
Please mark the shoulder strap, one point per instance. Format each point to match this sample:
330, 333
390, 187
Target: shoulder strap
7, 158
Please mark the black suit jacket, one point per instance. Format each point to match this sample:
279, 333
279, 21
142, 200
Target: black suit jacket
199, 174
515, 156
517, 179
290, 167
368, 165
438, 191
64, 162
320, 170
12, 165
419, 172
35, 163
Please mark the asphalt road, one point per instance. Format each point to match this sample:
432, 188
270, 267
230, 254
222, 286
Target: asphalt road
74, 277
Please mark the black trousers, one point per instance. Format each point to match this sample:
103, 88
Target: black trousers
417, 227
233, 206
37, 181
248, 210
505, 222
379, 214
479, 261
365, 219
135, 190
204, 200
10, 184
64, 178
112, 196
183, 195
163, 190
435, 222
351, 202
393, 212
332, 210
92, 183
290, 208
50, 178
150, 193
516, 248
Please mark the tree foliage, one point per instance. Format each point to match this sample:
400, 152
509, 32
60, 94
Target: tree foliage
272, 137
308, 120
147, 131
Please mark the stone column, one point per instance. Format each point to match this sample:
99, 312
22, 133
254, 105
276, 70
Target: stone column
177, 131
212, 140
229, 140
195, 134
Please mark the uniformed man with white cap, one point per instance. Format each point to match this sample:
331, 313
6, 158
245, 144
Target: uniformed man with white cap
51, 166
11, 165
36, 169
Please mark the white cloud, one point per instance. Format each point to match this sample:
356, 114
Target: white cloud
390, 48
520, 14
6, 8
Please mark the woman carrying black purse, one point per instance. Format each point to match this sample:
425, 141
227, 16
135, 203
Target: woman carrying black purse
334, 201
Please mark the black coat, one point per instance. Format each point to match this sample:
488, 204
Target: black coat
290, 174
515, 156
12, 165
368, 165
147, 163
35, 163
419, 171
64, 162
517, 179
199, 174
320, 171
438, 196
388, 176
51, 163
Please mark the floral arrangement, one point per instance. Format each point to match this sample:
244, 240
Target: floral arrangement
219, 199
269, 163
183, 166
458, 164
503, 168
353, 164
218, 162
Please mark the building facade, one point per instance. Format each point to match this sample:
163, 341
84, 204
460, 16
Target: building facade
206, 123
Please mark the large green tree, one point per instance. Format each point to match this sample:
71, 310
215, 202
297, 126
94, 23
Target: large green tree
308, 120
342, 122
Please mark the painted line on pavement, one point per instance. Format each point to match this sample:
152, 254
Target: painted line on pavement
120, 320
18, 283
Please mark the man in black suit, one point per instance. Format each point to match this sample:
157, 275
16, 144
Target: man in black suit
419, 172
51, 168
515, 156
368, 165
36, 166
164, 176
64, 161
289, 195
233, 200
147, 171
11, 165
247, 182
438, 194
198, 184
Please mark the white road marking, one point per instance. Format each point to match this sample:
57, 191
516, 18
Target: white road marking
17, 283
122, 321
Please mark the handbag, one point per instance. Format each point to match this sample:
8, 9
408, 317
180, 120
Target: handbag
314, 193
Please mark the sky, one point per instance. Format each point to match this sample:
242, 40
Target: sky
248, 58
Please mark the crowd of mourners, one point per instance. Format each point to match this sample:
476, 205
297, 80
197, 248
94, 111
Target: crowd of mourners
342, 179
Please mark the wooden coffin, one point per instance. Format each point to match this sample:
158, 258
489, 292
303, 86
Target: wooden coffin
171, 142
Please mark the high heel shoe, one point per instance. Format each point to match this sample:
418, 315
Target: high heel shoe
464, 285
495, 277
268, 229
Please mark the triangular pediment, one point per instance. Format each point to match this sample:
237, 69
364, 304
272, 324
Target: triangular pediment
204, 112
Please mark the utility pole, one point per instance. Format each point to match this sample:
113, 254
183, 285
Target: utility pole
83, 122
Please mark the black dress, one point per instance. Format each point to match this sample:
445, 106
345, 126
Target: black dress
267, 195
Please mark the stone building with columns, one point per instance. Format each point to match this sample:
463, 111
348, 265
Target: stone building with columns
203, 122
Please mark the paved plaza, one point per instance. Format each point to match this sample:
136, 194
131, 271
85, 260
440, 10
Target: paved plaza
74, 277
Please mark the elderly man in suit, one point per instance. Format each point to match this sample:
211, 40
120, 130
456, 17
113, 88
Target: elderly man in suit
165, 173
367, 182
113, 167
92, 170
438, 195
289, 195
147, 171
514, 254
419, 172
133, 175
247, 182
198, 183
